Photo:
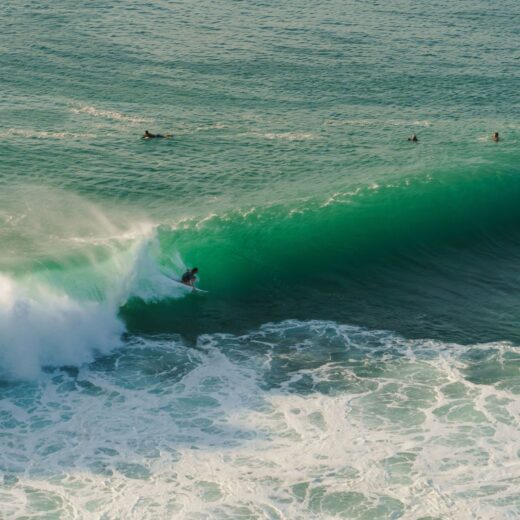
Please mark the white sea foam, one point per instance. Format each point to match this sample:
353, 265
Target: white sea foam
214, 126
286, 136
296, 420
40, 326
43, 325
343, 197
108, 114
291, 136
67, 313
41, 134
425, 123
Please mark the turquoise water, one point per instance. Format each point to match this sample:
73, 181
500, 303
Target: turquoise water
356, 355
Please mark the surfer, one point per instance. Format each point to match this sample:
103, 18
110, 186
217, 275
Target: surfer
189, 278
495, 137
413, 139
148, 135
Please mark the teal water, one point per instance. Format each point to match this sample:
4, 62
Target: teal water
356, 355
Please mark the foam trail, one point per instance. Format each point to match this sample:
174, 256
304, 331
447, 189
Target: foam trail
107, 114
35, 134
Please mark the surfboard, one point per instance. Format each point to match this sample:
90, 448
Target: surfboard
184, 286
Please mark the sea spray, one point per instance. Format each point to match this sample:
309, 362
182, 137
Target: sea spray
42, 327
86, 261
70, 322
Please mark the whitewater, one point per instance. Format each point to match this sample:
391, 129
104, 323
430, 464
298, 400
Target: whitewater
356, 354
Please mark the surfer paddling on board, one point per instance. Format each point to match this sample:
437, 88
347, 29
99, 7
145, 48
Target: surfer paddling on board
148, 135
189, 277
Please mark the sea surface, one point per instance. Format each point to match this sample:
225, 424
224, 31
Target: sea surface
357, 352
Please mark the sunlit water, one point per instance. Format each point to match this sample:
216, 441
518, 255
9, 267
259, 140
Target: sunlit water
356, 354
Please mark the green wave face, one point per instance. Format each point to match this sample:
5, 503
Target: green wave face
348, 231
390, 253
434, 252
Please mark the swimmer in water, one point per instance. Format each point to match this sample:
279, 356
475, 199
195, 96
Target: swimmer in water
413, 139
495, 137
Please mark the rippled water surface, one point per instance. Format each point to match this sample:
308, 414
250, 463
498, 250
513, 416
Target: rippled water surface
356, 354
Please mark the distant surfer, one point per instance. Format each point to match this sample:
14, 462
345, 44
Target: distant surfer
495, 137
189, 277
149, 135
413, 139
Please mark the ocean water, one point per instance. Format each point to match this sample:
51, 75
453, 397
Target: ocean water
357, 352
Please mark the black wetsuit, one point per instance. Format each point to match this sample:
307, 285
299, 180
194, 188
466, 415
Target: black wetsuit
188, 277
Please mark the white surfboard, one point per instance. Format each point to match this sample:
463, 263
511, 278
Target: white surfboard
185, 286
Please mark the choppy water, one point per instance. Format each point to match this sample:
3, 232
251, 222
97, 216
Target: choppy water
356, 355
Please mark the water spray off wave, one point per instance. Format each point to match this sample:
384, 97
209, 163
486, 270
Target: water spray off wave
65, 274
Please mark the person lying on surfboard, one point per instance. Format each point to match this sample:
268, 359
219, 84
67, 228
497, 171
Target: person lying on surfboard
189, 278
149, 135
